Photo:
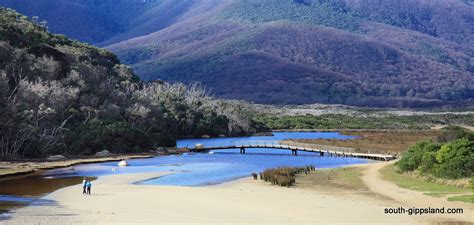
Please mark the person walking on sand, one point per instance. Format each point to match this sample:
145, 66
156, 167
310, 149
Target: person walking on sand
84, 182
88, 185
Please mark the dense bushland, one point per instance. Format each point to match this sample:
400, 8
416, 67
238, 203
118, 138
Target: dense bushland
59, 96
451, 156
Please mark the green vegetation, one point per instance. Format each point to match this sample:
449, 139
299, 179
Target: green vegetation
438, 167
462, 198
327, 13
453, 159
59, 96
338, 121
427, 186
412, 182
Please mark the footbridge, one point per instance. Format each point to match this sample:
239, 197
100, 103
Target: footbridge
294, 147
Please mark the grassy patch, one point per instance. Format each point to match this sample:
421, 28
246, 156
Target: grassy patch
414, 183
375, 141
435, 194
462, 198
338, 121
342, 178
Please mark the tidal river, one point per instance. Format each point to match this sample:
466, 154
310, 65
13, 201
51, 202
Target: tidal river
190, 169
197, 169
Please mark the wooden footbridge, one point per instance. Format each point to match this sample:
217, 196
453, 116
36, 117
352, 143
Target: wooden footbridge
293, 147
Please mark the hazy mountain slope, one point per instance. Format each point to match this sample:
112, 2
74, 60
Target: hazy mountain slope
104, 21
451, 20
154, 17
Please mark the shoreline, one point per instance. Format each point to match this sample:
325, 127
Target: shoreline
12, 168
116, 200
352, 130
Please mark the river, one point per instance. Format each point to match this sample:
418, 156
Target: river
189, 169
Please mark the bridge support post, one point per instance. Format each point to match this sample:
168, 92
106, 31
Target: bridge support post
294, 152
321, 153
242, 150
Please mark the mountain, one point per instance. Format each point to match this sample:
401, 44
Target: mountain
59, 96
358, 52
102, 22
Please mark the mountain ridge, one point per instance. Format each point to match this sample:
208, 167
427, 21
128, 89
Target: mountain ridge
345, 52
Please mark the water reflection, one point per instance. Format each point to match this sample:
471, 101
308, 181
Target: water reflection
19, 191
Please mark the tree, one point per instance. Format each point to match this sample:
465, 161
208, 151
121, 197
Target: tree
456, 159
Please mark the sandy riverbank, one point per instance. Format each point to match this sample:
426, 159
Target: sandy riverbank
14, 168
116, 200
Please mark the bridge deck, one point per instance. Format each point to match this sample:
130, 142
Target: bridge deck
342, 152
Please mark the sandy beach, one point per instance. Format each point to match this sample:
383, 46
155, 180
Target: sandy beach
116, 200
16, 168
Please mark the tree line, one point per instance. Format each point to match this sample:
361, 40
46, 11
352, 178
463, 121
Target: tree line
59, 96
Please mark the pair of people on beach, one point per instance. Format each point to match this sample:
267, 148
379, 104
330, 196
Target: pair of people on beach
86, 186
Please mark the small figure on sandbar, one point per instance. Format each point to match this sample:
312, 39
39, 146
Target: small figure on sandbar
89, 185
84, 181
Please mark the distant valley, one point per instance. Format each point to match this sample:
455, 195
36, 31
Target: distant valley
376, 53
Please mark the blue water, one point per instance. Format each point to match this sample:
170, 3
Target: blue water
197, 169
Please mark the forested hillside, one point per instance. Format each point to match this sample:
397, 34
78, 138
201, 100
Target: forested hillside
59, 96
380, 53
319, 51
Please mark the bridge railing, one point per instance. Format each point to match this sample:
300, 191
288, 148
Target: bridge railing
278, 144
257, 143
326, 148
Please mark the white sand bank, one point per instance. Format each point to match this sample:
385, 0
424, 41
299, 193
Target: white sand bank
115, 200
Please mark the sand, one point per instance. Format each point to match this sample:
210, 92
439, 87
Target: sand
15, 168
115, 200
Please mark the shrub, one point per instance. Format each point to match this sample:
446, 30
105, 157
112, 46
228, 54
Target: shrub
412, 158
284, 176
451, 160
428, 162
455, 159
